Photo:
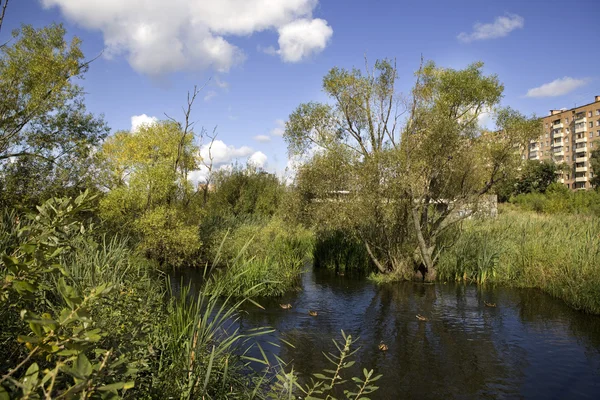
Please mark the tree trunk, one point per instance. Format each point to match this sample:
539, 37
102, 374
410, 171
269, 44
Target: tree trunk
425, 250
378, 264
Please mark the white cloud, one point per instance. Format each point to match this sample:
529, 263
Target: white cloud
557, 87
258, 159
210, 95
262, 138
279, 128
501, 27
222, 153
139, 120
201, 175
302, 38
158, 37
486, 118
221, 83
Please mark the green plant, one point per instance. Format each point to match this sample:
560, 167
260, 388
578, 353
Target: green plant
64, 340
323, 385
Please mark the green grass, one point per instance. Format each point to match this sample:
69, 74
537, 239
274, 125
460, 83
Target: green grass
262, 258
559, 254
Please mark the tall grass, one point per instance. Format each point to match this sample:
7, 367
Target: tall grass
262, 258
559, 254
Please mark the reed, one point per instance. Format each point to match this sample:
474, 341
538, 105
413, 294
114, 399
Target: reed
559, 254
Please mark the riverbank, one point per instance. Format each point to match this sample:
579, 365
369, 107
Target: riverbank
559, 254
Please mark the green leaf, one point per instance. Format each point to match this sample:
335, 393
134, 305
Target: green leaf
3, 394
83, 365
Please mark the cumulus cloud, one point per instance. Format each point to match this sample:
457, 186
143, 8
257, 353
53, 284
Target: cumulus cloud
258, 159
486, 118
201, 175
301, 39
158, 37
222, 153
557, 87
139, 120
501, 27
262, 138
279, 128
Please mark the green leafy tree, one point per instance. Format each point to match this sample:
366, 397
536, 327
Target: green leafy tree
536, 177
46, 134
149, 194
245, 191
595, 164
410, 167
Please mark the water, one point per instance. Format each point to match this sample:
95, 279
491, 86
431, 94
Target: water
529, 346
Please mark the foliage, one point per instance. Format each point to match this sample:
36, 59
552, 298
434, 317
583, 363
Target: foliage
563, 262
325, 384
264, 258
339, 251
595, 165
46, 135
62, 338
150, 195
534, 177
560, 200
396, 172
244, 191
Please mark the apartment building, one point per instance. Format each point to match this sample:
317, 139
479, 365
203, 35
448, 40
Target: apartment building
569, 138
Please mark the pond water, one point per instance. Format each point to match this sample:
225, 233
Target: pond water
528, 346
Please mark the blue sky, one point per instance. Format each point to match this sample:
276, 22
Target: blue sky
264, 57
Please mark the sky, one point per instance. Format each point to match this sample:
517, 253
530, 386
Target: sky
257, 60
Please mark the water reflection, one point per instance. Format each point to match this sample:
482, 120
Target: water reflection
529, 346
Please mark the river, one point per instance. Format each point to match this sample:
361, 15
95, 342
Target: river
528, 346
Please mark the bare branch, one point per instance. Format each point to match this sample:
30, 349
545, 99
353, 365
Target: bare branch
3, 12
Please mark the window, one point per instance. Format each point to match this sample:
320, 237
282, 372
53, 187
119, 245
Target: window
598, 111
591, 145
591, 134
567, 148
589, 114
591, 124
566, 120
567, 130
598, 133
598, 122
546, 124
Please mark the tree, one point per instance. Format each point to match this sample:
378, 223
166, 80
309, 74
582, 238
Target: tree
595, 164
410, 165
149, 194
536, 177
46, 135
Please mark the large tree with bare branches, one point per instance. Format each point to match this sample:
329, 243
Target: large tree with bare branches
396, 170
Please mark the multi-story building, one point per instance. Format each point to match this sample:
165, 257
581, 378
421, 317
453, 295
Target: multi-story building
569, 138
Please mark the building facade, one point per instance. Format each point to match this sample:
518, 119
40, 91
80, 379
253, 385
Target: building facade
569, 137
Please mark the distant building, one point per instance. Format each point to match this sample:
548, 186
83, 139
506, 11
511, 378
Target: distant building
569, 138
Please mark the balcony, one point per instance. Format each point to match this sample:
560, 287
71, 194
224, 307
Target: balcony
534, 156
558, 151
561, 180
581, 158
557, 126
582, 139
580, 118
559, 134
580, 128
581, 169
581, 149
581, 179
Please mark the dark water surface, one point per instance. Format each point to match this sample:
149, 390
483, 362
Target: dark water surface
530, 346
